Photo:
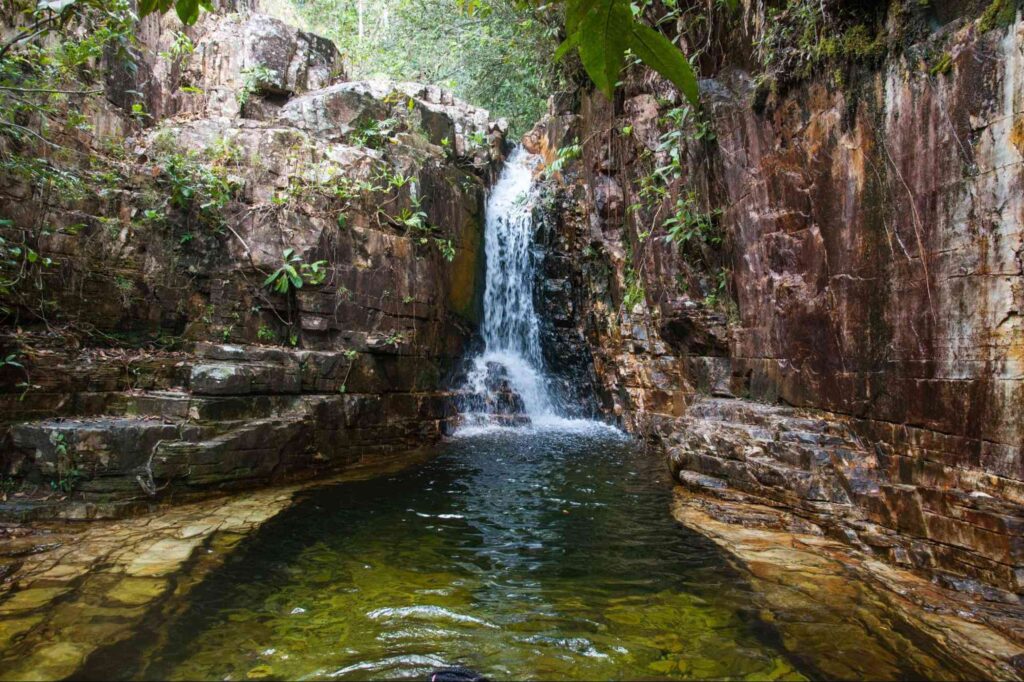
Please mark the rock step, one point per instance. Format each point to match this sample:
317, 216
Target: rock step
913, 512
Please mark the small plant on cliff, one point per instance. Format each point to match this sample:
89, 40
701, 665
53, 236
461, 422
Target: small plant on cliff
375, 134
253, 78
68, 474
634, 293
265, 333
446, 248
293, 273
201, 190
564, 156
181, 47
689, 223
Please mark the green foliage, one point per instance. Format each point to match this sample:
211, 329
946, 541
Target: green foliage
495, 54
604, 30
20, 264
187, 10
254, 78
49, 66
68, 474
265, 333
11, 361
635, 293
799, 39
564, 156
446, 247
181, 48
294, 272
999, 14
199, 189
689, 224
375, 134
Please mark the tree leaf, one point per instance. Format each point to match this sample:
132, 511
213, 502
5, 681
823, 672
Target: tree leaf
57, 6
658, 52
575, 10
188, 11
567, 45
293, 276
604, 35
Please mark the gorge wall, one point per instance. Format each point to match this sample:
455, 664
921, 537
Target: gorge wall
812, 295
246, 268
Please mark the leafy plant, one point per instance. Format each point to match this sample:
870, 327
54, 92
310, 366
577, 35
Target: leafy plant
689, 223
634, 293
374, 134
265, 333
11, 361
293, 273
201, 190
565, 155
181, 47
604, 30
68, 474
446, 247
254, 78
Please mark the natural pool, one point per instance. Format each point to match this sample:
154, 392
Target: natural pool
541, 554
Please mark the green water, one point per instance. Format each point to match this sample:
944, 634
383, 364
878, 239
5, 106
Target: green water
547, 555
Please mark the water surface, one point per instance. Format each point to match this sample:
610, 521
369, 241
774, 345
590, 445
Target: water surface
545, 554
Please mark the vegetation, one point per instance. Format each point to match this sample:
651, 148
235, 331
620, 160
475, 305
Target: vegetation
294, 272
497, 56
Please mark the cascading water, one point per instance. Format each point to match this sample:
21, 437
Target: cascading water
507, 381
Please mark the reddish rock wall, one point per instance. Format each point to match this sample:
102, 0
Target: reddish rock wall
872, 268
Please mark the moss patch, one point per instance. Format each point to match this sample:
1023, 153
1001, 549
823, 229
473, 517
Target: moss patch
1000, 14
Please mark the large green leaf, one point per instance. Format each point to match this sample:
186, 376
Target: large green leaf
575, 10
188, 11
146, 7
567, 45
604, 37
657, 52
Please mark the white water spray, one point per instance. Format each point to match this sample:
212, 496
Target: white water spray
510, 330
512, 365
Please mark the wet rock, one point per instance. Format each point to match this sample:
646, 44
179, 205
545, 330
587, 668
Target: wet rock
850, 279
267, 385
804, 576
497, 401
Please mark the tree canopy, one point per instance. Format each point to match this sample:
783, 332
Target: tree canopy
498, 56
495, 53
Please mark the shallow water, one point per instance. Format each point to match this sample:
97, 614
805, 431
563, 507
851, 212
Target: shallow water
544, 554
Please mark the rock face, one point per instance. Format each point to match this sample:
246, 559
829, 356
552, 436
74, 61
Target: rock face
276, 280
869, 270
494, 400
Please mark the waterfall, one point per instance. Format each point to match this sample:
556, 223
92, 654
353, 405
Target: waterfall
507, 381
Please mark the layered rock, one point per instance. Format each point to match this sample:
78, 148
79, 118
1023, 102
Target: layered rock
276, 280
869, 269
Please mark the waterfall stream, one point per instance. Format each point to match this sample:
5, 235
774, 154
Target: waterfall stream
507, 382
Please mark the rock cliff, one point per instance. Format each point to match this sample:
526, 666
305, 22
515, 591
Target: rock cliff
811, 294
258, 269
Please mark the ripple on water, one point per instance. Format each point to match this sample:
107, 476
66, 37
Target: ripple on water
537, 553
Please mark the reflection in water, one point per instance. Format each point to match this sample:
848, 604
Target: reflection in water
521, 554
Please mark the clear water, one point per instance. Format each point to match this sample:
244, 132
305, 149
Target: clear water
532, 553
